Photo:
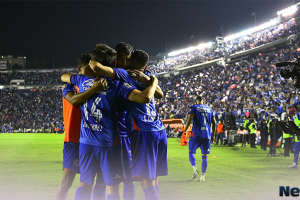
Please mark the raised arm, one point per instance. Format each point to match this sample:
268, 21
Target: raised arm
66, 77
77, 99
146, 95
101, 69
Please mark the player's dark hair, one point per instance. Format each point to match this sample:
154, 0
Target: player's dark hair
140, 58
104, 54
84, 59
123, 47
199, 98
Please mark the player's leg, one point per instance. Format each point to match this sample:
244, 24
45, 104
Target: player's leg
70, 168
193, 145
162, 160
66, 183
110, 159
89, 166
129, 185
296, 154
205, 149
145, 143
99, 191
150, 189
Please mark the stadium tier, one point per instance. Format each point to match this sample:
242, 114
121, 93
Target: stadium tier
249, 83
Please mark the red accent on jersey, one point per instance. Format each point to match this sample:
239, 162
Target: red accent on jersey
72, 120
135, 127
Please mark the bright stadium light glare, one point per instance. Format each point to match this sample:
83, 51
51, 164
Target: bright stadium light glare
189, 49
288, 11
252, 30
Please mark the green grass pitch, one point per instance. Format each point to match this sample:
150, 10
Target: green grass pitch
31, 168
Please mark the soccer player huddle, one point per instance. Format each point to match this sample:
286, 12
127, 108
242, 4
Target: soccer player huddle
120, 137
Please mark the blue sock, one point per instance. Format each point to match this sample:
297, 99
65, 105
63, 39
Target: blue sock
81, 194
204, 164
192, 159
99, 191
151, 193
157, 188
113, 197
129, 191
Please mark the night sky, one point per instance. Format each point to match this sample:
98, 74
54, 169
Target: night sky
41, 30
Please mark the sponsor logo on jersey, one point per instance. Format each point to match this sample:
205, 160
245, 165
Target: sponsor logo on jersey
76, 162
117, 176
127, 85
87, 84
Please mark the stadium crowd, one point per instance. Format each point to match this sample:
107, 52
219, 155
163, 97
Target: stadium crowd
31, 109
247, 86
229, 48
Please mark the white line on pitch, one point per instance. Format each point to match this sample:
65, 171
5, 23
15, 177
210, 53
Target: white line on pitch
229, 172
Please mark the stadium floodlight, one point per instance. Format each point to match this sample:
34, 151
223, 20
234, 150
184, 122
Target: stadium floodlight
190, 49
252, 30
288, 11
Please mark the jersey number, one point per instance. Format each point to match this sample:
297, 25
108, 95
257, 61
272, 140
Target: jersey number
94, 111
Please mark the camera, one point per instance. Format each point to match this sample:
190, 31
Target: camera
291, 73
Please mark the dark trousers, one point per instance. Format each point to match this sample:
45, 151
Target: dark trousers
252, 140
287, 146
219, 136
264, 140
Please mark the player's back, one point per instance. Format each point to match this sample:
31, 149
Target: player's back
202, 121
139, 116
99, 112
72, 116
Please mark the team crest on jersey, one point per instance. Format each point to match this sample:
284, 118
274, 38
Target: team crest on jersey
76, 162
87, 84
127, 85
64, 86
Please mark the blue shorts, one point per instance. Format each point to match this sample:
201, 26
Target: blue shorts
204, 145
108, 160
71, 157
127, 159
149, 154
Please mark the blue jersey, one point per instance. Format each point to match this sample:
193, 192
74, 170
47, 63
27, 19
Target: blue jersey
3, 127
139, 116
202, 120
67, 88
9, 127
99, 112
121, 119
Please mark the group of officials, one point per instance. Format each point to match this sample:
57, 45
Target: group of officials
120, 137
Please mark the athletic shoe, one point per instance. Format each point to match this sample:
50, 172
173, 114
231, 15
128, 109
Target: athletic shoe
202, 178
294, 165
195, 174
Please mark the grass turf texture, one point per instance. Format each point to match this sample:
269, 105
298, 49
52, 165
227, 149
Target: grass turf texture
31, 168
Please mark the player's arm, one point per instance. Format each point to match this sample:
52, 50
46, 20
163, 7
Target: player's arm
101, 69
189, 121
76, 99
66, 77
214, 128
143, 78
146, 95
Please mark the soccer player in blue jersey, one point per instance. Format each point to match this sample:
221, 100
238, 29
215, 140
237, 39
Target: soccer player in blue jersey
9, 128
4, 130
72, 119
124, 51
201, 136
148, 136
98, 139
